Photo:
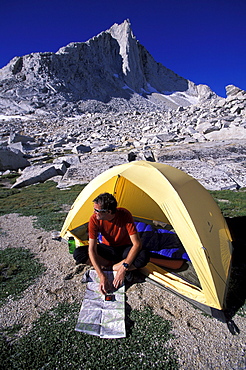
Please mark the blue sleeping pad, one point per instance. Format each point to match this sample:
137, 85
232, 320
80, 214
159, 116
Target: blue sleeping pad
161, 242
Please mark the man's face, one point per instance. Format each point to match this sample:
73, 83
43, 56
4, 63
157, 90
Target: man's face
101, 213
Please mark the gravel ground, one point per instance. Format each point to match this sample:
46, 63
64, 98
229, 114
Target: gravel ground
200, 341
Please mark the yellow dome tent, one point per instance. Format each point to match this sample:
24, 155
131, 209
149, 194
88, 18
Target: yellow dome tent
155, 191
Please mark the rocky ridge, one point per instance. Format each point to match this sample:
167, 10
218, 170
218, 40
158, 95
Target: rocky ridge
110, 72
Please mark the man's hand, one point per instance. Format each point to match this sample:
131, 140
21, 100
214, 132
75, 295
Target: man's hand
105, 285
120, 277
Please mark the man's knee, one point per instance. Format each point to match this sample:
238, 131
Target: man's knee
142, 259
81, 254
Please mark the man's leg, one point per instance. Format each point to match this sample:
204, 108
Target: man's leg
107, 256
81, 256
140, 261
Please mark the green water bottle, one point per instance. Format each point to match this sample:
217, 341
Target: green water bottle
71, 244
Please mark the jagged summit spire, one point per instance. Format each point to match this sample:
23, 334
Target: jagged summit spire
122, 31
124, 35
124, 27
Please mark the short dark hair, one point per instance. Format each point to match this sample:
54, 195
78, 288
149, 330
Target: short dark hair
107, 201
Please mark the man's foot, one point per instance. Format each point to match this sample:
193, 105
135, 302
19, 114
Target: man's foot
129, 276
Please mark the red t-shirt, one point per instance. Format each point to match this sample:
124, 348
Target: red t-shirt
116, 232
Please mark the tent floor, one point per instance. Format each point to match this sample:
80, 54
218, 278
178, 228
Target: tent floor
186, 272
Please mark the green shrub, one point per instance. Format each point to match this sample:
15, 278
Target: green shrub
18, 269
231, 202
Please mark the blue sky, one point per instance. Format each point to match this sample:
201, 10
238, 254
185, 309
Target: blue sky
201, 40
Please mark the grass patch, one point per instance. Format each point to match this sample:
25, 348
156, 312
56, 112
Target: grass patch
54, 344
18, 269
10, 178
232, 203
45, 201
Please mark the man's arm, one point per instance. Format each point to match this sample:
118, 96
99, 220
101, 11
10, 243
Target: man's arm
95, 261
121, 270
135, 249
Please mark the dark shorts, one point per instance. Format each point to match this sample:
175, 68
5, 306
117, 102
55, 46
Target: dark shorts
114, 254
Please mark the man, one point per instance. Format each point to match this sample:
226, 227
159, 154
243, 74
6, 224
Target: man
121, 248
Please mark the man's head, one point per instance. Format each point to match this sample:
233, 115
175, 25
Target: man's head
105, 205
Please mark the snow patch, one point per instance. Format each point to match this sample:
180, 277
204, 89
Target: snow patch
8, 118
173, 96
125, 87
152, 89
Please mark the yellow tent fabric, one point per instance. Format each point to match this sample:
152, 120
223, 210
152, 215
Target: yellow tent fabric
155, 191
